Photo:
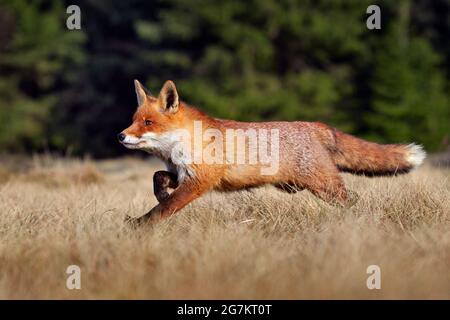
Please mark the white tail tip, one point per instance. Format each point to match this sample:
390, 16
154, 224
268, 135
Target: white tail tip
415, 154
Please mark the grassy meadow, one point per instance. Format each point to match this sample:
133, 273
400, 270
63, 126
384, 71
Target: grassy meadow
257, 244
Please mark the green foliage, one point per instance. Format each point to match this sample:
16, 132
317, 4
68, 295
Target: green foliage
271, 60
247, 60
33, 64
410, 100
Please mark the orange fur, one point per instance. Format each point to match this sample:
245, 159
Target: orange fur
311, 155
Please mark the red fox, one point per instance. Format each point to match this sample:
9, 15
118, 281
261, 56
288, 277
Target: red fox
310, 154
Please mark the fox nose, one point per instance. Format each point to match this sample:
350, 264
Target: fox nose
121, 136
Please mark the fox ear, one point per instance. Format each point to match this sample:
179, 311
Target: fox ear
141, 92
168, 97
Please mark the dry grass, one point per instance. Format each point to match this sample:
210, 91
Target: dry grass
254, 244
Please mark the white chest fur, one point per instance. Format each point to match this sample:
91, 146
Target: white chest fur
170, 148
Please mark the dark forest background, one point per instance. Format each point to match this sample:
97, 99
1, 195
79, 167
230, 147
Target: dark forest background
72, 91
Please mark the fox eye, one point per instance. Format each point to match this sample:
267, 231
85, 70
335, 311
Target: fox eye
147, 122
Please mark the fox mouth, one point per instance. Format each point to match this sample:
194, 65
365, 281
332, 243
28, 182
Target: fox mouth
132, 145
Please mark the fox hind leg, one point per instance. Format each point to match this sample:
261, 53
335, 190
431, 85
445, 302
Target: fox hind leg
330, 188
163, 180
334, 193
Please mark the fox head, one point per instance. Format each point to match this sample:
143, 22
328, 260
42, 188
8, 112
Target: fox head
154, 119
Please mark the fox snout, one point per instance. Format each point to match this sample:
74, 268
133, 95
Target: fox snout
127, 139
121, 136
130, 141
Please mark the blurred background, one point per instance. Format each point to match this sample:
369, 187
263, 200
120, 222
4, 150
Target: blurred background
71, 92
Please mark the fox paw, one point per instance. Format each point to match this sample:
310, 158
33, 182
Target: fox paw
162, 196
138, 222
133, 222
353, 198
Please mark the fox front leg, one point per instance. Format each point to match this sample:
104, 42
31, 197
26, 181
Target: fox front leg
186, 192
162, 180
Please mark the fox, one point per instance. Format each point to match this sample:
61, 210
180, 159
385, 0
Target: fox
311, 155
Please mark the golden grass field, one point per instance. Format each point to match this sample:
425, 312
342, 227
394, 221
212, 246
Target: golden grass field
258, 244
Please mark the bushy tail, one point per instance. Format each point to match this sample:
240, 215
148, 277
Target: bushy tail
354, 155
